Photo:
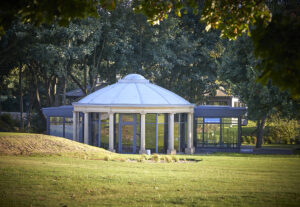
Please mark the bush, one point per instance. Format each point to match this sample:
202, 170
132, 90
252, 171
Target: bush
297, 140
175, 158
145, 157
168, 159
283, 131
38, 124
8, 124
253, 140
140, 159
107, 158
155, 157
248, 139
268, 140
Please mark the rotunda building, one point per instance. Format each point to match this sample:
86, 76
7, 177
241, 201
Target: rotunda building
129, 101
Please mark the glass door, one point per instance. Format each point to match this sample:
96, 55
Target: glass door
127, 133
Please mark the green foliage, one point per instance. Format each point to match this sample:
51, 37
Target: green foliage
237, 71
7, 124
278, 48
145, 157
234, 18
107, 158
175, 158
268, 140
43, 11
283, 131
168, 159
155, 157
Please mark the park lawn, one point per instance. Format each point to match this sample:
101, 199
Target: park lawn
41, 170
217, 180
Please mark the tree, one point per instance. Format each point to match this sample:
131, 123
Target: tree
278, 48
232, 18
236, 69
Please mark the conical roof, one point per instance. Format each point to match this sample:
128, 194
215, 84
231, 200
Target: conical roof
135, 90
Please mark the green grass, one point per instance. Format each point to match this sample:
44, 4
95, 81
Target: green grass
215, 181
61, 179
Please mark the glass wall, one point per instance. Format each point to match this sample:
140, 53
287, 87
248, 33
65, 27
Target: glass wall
216, 132
99, 129
230, 132
69, 127
63, 127
150, 132
162, 130
104, 130
57, 126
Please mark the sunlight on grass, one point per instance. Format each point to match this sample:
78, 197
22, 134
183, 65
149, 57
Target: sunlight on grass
54, 171
217, 180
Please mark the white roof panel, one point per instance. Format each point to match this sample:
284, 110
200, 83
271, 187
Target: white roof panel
133, 89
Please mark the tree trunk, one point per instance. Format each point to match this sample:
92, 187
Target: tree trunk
260, 127
85, 81
38, 100
64, 89
21, 99
32, 98
56, 92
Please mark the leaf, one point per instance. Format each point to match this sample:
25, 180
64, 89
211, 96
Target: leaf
208, 26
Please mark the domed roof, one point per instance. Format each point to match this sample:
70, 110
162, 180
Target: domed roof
135, 90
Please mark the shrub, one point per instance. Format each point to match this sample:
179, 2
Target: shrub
175, 158
248, 139
253, 140
268, 140
107, 158
145, 157
140, 159
155, 157
243, 140
283, 131
8, 124
297, 140
168, 159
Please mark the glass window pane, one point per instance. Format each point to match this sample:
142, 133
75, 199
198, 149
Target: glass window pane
127, 138
199, 135
176, 136
56, 129
161, 130
211, 135
199, 119
229, 135
69, 130
127, 118
104, 131
150, 118
150, 137
161, 118
56, 119
69, 119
